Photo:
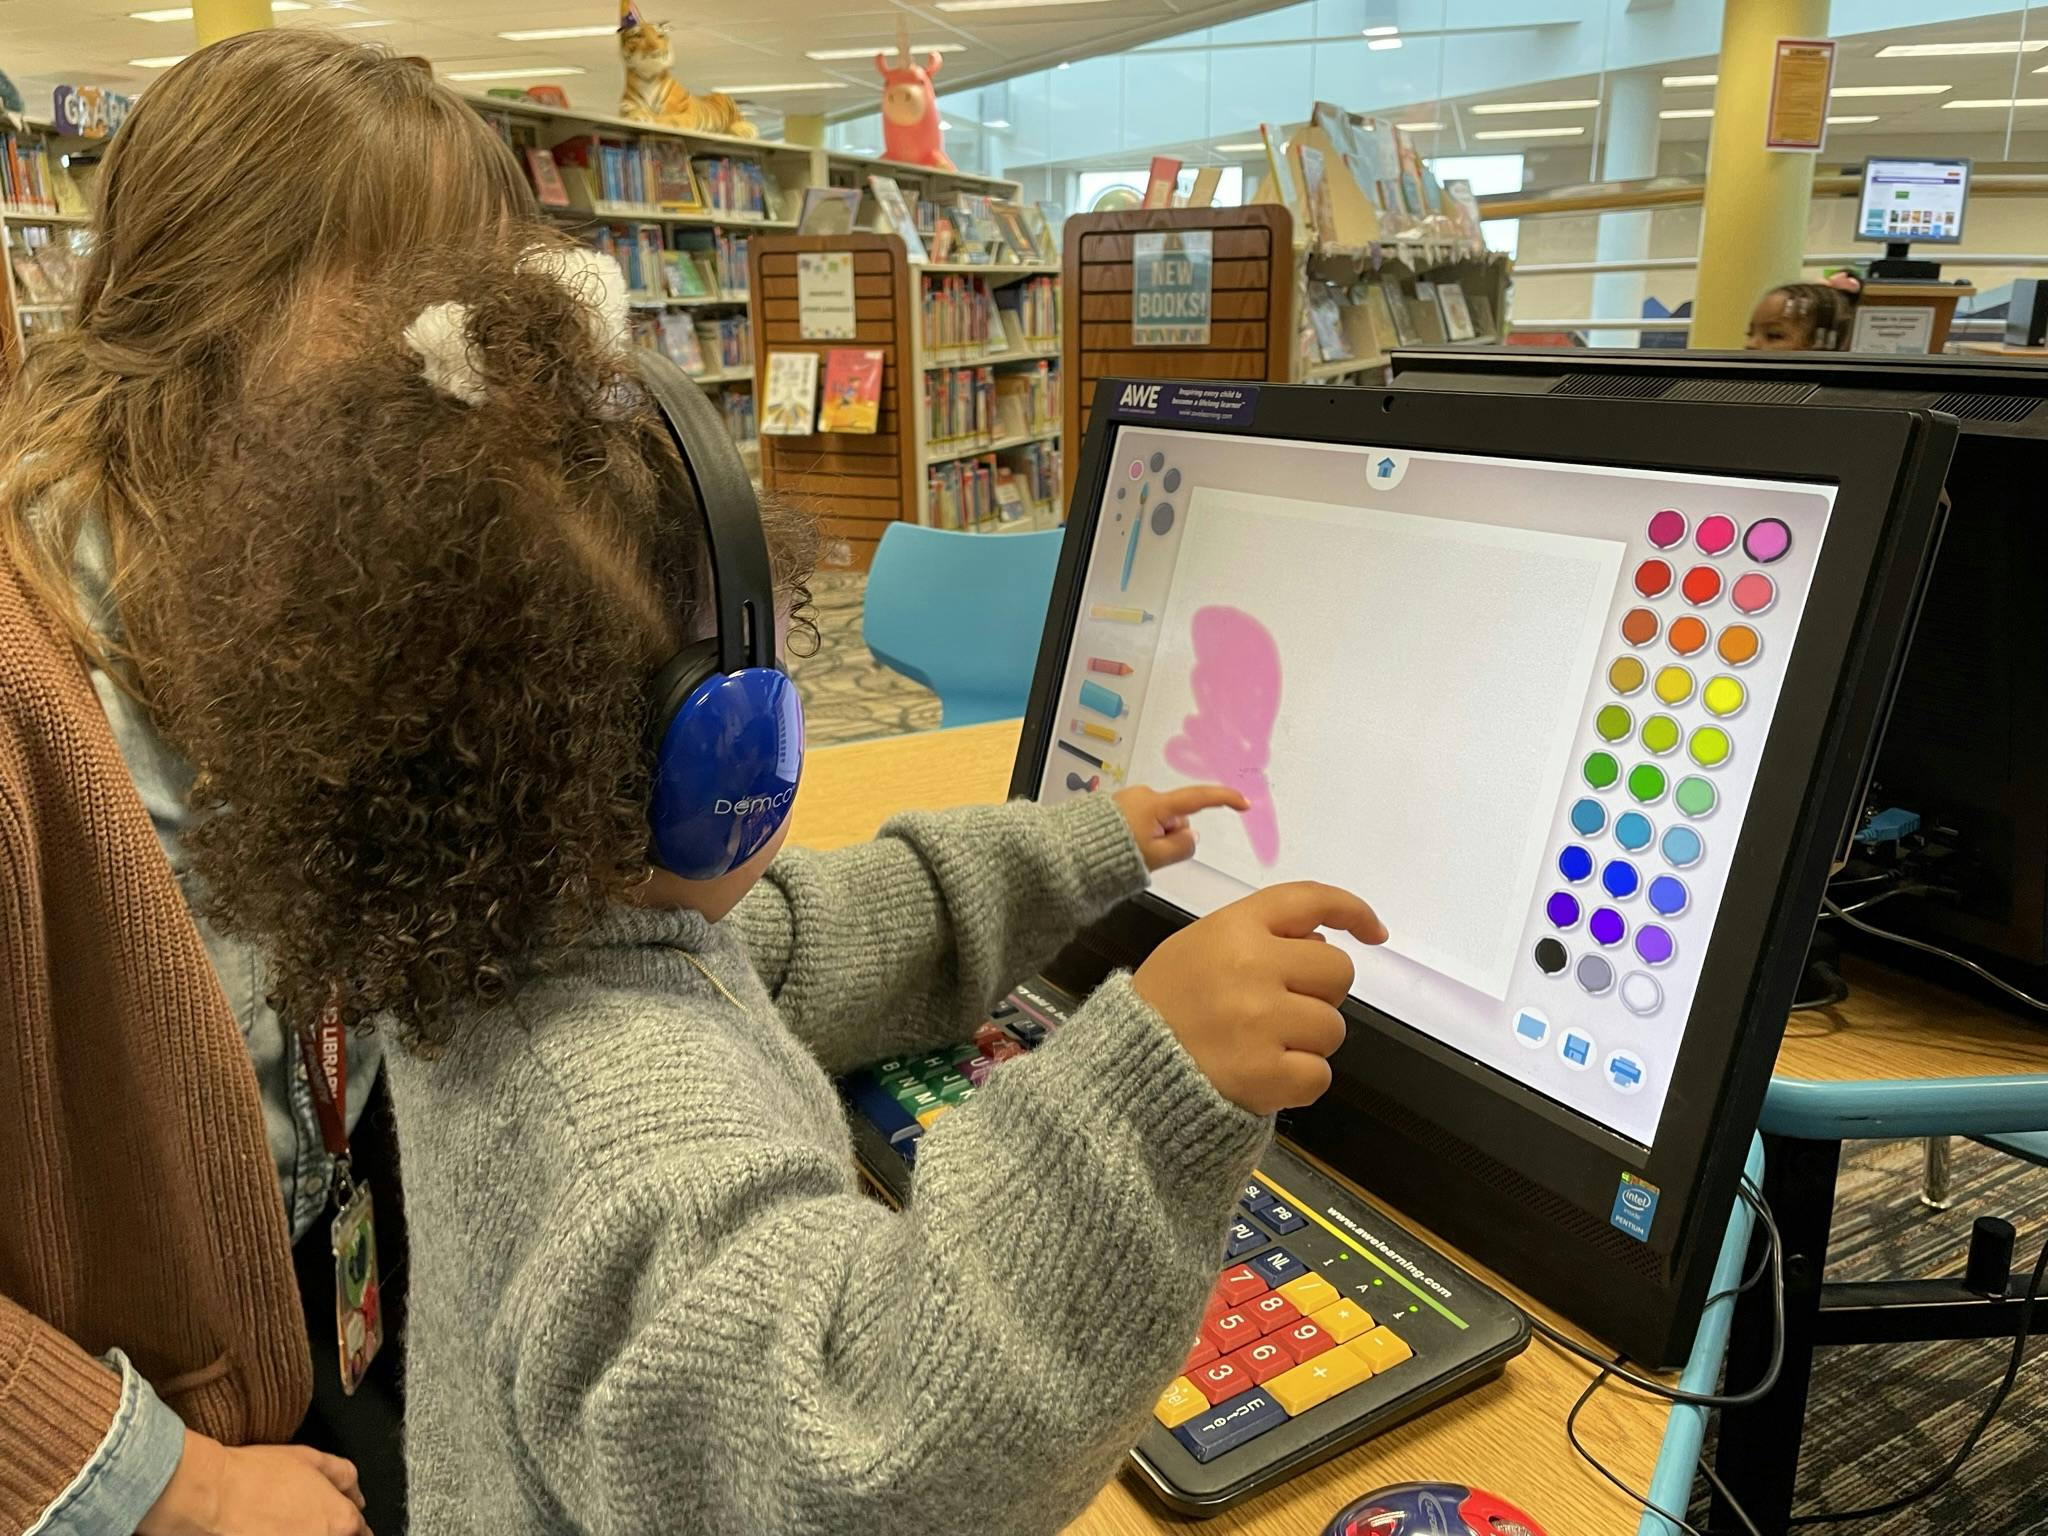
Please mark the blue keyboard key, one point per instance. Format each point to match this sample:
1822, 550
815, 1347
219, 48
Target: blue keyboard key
1279, 1266
1230, 1424
1256, 1197
1283, 1219
1243, 1238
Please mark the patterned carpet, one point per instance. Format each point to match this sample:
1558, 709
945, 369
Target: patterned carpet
1881, 1417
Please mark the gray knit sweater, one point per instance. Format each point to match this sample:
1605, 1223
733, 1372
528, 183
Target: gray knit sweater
648, 1294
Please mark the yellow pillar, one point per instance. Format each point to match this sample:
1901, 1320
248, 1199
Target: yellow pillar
1753, 227
805, 128
213, 20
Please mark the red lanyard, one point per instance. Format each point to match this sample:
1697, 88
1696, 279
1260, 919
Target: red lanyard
324, 1046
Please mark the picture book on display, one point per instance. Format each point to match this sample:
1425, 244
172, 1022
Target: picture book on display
790, 409
829, 211
675, 184
896, 213
853, 390
548, 185
1160, 184
1457, 316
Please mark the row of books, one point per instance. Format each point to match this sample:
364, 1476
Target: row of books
648, 173
1379, 316
853, 392
959, 403
679, 264
698, 347
969, 227
738, 406
961, 493
1036, 302
988, 493
735, 186
958, 314
1028, 400
1037, 470
27, 175
47, 264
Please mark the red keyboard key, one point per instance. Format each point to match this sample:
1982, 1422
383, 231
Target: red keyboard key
1273, 1310
1304, 1341
1220, 1379
1241, 1284
1262, 1361
1201, 1354
1230, 1331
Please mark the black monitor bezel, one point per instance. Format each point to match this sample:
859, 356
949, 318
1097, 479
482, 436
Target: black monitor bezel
1863, 192
1863, 589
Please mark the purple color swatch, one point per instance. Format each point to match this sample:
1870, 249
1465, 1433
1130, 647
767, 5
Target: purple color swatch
1607, 927
1654, 944
1562, 909
1766, 541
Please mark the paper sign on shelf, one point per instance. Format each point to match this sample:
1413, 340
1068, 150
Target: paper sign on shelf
1802, 73
1170, 288
824, 293
1907, 328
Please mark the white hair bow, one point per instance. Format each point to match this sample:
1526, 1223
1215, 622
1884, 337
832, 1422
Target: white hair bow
440, 334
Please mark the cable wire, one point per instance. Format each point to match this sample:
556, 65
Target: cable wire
1848, 916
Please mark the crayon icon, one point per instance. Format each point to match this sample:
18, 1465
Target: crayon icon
1113, 668
1115, 615
1103, 701
1091, 729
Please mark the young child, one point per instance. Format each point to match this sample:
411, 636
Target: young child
1805, 317
408, 647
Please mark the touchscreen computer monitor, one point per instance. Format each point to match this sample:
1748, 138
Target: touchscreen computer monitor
1575, 693
1913, 201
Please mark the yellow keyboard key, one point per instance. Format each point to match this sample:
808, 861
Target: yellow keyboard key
1318, 1379
1309, 1293
931, 1117
1345, 1321
1382, 1349
1179, 1403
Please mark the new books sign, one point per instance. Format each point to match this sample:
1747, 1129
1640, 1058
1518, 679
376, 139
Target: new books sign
1170, 278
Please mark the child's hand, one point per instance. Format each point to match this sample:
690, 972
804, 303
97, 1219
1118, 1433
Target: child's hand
1251, 991
1159, 817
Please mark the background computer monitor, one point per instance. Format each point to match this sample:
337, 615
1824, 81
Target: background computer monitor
1577, 692
1912, 201
1967, 746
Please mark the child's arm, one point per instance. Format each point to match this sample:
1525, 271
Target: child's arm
901, 943
735, 1334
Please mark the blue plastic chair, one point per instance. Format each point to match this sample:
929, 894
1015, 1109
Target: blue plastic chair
961, 613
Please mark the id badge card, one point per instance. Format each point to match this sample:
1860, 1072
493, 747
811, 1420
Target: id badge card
358, 1297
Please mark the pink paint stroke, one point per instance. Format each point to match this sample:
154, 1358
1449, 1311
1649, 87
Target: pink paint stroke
1229, 737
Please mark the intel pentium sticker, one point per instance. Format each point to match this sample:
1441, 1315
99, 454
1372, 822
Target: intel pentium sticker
1635, 1207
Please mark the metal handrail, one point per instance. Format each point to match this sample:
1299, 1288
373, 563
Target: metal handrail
1684, 323
1686, 263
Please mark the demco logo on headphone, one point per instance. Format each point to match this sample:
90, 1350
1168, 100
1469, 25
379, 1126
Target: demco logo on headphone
748, 805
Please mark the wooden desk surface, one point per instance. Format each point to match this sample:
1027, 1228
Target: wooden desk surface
1507, 1436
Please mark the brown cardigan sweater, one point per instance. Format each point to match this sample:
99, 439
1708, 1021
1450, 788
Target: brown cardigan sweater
138, 1205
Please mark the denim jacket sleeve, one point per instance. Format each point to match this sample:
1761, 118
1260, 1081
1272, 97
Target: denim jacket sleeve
129, 1470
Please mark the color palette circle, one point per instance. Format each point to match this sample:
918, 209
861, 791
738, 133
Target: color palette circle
1767, 540
1696, 796
1639, 626
1633, 831
1674, 684
1626, 675
1158, 462
1595, 974
1654, 943
1667, 528
1608, 927
1683, 847
1620, 879
1688, 635
1716, 535
1575, 864
1171, 483
1551, 956
1723, 696
1589, 817
1709, 746
1602, 770
1753, 593
1646, 782
1162, 517
1701, 586
1614, 723
1640, 994
1137, 469
1668, 896
1562, 909
1653, 578
1661, 734
1739, 645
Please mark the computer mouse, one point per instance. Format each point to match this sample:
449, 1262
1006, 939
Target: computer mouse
1431, 1509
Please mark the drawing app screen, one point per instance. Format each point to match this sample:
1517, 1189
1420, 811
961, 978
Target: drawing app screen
1516, 705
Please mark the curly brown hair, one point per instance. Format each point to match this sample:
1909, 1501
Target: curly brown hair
405, 642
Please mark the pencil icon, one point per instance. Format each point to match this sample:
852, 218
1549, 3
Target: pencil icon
1113, 668
1090, 728
1119, 615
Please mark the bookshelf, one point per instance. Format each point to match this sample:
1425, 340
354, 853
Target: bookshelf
43, 218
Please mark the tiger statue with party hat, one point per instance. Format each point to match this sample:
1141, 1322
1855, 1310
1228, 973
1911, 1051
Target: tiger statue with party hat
654, 95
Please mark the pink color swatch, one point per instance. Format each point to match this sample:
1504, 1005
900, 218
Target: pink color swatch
1229, 737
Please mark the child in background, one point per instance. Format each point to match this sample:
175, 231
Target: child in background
1805, 317
409, 648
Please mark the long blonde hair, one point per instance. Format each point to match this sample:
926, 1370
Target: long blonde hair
251, 175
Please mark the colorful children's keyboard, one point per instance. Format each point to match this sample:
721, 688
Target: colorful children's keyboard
1329, 1322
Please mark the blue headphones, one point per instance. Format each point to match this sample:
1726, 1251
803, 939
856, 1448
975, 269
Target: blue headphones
726, 727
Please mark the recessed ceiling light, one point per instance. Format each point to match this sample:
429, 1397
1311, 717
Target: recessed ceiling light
1688, 112
1004, 5
784, 85
1681, 82
163, 62
1381, 31
1251, 148
1845, 121
1417, 127
1496, 108
1998, 101
532, 72
184, 12
997, 122
1954, 50
557, 34
826, 55
1531, 133
1889, 90
1382, 44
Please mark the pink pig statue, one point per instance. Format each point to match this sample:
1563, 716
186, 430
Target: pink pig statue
910, 111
